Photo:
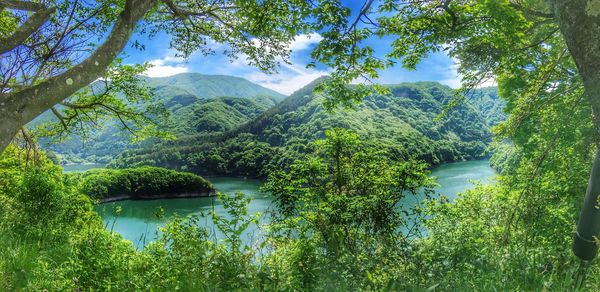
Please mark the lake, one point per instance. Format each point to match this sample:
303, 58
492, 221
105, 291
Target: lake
138, 220
81, 167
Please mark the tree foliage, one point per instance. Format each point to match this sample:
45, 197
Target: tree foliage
55, 241
514, 236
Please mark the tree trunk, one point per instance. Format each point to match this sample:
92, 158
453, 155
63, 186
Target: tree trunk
21, 107
579, 22
8, 130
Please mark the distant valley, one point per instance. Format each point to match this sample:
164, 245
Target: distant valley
198, 104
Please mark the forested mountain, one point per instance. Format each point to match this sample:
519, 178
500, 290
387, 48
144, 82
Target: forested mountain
488, 103
406, 123
210, 103
198, 104
189, 86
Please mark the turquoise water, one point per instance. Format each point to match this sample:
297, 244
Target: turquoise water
138, 222
81, 167
457, 177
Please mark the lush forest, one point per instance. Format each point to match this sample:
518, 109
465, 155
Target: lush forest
415, 120
253, 128
345, 163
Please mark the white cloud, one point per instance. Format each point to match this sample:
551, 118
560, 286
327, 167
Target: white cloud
289, 79
300, 42
452, 82
454, 79
488, 82
456, 82
167, 66
305, 41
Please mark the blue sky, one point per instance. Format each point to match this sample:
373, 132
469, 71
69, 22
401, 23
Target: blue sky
436, 67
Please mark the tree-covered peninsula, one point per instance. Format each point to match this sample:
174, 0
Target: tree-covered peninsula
142, 183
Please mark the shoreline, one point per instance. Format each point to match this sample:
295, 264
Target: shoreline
209, 194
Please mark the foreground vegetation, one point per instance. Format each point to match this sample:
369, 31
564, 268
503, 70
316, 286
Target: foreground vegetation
141, 183
345, 218
55, 241
512, 236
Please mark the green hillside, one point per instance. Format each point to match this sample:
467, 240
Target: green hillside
190, 86
406, 123
198, 104
488, 103
218, 114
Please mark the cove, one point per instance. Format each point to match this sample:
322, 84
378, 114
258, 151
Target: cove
138, 222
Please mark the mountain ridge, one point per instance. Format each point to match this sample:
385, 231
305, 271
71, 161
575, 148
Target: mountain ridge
197, 103
211, 86
403, 123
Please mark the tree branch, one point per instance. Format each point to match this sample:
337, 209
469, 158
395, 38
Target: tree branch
33, 101
22, 5
32, 24
363, 11
446, 7
182, 12
531, 11
60, 117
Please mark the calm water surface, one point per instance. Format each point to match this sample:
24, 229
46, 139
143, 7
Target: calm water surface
138, 220
81, 167
457, 177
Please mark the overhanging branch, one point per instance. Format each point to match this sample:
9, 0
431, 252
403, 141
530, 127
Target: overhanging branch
31, 25
531, 12
34, 100
23, 5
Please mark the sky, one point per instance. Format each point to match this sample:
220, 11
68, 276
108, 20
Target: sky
289, 78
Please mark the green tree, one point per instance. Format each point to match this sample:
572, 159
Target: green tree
544, 56
348, 205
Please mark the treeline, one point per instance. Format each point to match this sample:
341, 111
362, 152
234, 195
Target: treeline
414, 121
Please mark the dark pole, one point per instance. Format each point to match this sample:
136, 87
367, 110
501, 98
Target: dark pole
588, 227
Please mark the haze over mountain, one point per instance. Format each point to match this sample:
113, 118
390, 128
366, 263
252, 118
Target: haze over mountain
196, 85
